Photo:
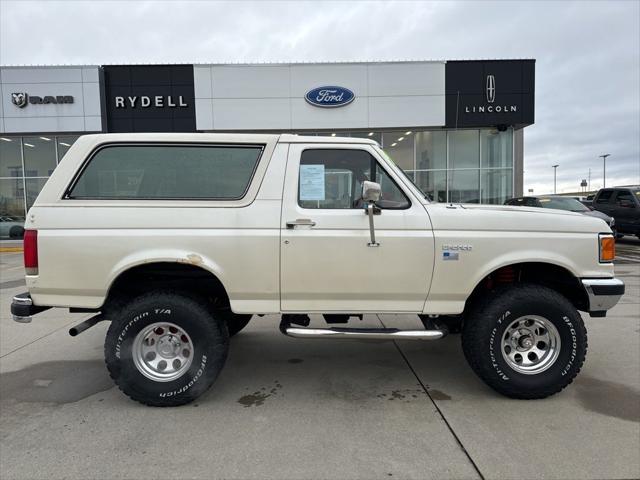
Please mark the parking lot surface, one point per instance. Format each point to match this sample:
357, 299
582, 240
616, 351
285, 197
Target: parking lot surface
290, 408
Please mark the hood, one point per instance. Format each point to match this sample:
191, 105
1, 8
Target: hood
597, 214
447, 216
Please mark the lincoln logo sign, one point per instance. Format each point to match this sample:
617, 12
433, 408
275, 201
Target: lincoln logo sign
491, 98
159, 101
330, 96
22, 99
491, 89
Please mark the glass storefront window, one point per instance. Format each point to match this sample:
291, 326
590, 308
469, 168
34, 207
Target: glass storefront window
464, 186
39, 161
377, 136
64, 143
497, 185
464, 151
12, 197
497, 148
10, 157
431, 150
399, 146
433, 183
39, 156
34, 185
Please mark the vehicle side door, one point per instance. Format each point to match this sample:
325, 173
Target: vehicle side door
603, 202
328, 263
627, 213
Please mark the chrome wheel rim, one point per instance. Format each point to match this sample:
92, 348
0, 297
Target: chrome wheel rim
530, 344
162, 351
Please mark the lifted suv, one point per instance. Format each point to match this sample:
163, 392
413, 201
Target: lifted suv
179, 239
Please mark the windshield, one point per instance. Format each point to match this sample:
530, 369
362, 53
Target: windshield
563, 203
401, 172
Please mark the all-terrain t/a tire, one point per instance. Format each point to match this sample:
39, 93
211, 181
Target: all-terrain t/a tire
525, 341
165, 349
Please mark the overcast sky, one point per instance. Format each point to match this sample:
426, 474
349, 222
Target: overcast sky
587, 70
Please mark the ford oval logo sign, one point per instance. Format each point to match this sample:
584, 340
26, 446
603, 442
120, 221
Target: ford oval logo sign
330, 96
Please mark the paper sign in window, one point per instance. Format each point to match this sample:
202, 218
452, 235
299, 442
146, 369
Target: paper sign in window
311, 182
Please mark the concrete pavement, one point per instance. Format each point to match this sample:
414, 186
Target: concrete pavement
287, 408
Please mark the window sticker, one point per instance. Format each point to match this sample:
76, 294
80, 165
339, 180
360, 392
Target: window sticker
311, 182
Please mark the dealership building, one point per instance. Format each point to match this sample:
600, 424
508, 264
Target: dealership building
455, 127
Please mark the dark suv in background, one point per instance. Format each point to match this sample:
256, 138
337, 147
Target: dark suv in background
623, 204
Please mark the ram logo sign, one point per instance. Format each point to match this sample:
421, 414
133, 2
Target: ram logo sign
330, 97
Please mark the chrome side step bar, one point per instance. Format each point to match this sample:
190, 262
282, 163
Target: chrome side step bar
362, 333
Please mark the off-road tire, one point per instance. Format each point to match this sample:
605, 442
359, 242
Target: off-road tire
210, 346
486, 325
235, 322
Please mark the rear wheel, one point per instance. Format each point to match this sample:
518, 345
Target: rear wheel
165, 349
525, 341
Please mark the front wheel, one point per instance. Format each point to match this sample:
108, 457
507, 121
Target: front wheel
165, 349
525, 341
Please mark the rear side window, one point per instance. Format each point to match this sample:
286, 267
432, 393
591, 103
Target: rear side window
624, 195
168, 172
604, 196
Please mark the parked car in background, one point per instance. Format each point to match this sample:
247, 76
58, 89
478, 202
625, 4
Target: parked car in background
558, 202
623, 204
11, 227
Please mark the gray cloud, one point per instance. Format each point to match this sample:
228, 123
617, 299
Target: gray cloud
587, 71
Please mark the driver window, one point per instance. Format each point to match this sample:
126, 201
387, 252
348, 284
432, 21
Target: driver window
332, 179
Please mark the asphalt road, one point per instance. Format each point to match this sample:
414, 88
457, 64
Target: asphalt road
288, 408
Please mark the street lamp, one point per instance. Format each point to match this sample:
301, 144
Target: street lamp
604, 169
555, 169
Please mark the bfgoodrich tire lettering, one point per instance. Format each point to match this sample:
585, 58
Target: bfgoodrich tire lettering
489, 322
208, 335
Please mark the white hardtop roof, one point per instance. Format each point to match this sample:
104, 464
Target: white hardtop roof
223, 137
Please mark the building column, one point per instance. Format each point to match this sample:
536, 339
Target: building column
518, 162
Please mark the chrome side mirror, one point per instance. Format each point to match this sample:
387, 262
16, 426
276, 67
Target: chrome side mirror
371, 191
371, 194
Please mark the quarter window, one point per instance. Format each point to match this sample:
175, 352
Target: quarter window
332, 179
624, 195
168, 172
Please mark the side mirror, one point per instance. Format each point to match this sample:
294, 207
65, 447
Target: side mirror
371, 191
371, 194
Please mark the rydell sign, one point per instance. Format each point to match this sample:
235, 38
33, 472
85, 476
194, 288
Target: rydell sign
159, 101
330, 96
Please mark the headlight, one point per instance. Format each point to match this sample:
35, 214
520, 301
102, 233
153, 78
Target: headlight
607, 248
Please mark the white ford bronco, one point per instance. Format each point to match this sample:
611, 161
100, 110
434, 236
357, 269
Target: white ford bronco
179, 239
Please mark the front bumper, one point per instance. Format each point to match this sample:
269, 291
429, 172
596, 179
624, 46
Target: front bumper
22, 308
603, 294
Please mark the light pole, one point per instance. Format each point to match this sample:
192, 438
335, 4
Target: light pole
555, 169
604, 169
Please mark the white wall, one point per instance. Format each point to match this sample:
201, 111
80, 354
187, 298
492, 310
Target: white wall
83, 115
271, 97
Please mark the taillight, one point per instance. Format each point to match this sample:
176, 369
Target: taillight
31, 252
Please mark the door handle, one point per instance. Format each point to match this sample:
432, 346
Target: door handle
306, 222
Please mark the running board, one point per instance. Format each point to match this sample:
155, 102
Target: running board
362, 333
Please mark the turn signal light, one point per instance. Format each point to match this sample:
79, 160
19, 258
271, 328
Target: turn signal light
31, 252
607, 249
